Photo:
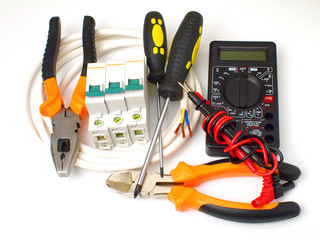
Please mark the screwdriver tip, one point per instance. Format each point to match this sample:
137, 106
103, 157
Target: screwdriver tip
137, 190
161, 172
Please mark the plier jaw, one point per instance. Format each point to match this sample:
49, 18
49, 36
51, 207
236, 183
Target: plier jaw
125, 182
65, 140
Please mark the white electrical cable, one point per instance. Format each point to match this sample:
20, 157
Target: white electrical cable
119, 158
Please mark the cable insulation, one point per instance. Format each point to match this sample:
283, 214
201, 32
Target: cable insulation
89, 157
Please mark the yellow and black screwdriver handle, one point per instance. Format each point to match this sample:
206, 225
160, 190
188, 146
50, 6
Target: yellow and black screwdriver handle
183, 53
184, 196
155, 46
54, 101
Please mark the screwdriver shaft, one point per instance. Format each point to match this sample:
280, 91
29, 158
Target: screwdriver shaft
160, 133
151, 148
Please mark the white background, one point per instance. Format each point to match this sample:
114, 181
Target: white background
36, 204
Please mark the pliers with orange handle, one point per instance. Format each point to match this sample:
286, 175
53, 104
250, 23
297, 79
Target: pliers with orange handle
65, 141
178, 187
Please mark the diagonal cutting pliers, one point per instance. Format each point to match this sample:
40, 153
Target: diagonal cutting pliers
65, 141
179, 188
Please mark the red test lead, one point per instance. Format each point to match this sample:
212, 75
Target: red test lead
249, 150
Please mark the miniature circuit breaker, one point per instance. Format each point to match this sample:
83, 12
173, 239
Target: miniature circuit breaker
135, 97
115, 102
94, 99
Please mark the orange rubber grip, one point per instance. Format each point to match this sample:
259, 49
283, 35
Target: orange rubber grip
192, 176
54, 101
77, 103
186, 198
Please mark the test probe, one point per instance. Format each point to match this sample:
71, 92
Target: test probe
183, 52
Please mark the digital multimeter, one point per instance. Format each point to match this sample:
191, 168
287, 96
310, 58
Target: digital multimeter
243, 82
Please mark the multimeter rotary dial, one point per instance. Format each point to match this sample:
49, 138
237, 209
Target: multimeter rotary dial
242, 91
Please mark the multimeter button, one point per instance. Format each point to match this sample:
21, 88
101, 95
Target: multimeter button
253, 69
241, 114
232, 69
232, 114
242, 91
267, 106
258, 112
250, 114
268, 98
243, 69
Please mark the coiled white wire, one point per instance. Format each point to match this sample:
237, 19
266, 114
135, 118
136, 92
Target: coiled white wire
91, 157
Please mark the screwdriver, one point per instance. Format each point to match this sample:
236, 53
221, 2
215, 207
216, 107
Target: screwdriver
155, 48
183, 52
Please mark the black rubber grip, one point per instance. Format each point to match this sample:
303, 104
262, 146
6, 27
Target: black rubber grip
88, 42
51, 52
283, 210
155, 46
289, 172
182, 55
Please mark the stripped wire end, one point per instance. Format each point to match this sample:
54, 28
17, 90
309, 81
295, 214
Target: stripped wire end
187, 89
181, 124
184, 119
183, 133
177, 129
187, 122
182, 129
190, 132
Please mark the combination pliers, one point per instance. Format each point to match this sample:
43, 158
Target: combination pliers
65, 141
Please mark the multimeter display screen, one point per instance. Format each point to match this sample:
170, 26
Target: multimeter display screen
242, 55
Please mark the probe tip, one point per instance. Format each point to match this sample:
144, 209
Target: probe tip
161, 172
181, 85
137, 190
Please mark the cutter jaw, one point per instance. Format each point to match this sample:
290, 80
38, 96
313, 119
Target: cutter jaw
124, 182
65, 140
